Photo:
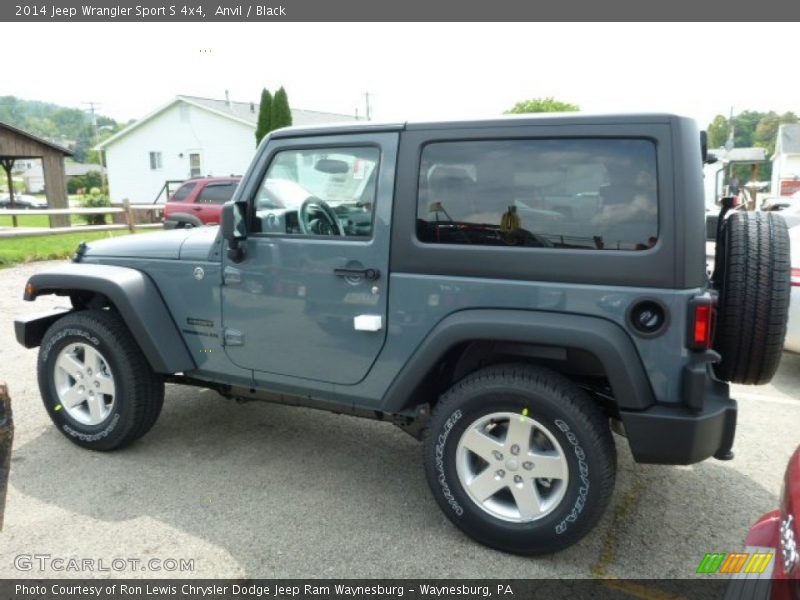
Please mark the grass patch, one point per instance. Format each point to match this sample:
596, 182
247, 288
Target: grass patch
47, 247
36, 220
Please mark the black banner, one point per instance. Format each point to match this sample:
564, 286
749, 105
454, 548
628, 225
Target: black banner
700, 588
407, 10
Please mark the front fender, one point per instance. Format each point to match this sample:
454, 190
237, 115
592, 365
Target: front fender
135, 297
607, 341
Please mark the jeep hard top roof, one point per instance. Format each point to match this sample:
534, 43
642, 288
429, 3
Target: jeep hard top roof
503, 121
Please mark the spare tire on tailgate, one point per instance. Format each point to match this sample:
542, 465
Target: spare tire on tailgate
752, 275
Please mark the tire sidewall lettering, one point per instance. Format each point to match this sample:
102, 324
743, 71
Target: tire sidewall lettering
441, 443
583, 474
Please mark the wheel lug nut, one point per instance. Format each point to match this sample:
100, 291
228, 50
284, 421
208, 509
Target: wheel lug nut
501, 473
527, 465
89, 371
498, 455
514, 449
96, 383
517, 479
81, 389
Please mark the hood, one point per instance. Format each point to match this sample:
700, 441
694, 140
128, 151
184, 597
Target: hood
187, 244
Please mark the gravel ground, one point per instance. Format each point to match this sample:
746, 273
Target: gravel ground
259, 490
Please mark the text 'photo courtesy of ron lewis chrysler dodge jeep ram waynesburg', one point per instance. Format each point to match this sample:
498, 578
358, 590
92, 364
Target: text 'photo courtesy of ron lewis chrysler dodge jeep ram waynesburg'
508, 291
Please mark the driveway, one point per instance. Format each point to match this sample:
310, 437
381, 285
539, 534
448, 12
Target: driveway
259, 490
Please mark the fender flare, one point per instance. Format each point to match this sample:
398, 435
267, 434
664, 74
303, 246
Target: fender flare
604, 339
136, 298
182, 217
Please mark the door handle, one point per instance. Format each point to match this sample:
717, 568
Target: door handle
368, 274
197, 208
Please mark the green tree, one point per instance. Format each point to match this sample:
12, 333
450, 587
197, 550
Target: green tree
281, 113
718, 131
264, 116
766, 133
539, 105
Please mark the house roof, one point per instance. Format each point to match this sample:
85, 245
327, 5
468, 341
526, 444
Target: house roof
743, 155
788, 139
241, 112
35, 138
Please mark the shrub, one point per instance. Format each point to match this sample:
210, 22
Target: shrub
95, 199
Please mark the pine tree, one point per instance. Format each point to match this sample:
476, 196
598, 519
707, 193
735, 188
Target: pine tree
264, 116
281, 113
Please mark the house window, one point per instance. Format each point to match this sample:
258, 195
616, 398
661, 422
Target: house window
155, 160
194, 164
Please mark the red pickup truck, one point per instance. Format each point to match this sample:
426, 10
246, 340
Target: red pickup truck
198, 202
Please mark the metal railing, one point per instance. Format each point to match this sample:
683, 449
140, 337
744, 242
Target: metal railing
127, 209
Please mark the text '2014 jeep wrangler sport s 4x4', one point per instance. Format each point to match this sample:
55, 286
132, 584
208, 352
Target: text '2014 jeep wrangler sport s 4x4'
507, 290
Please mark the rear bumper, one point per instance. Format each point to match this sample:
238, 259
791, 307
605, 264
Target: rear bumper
704, 425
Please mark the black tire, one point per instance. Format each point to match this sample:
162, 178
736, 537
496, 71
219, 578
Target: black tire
754, 288
139, 393
569, 415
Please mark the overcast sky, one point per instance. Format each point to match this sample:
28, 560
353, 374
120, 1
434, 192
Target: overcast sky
413, 71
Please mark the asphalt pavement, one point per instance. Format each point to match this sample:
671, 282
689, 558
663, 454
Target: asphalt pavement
259, 490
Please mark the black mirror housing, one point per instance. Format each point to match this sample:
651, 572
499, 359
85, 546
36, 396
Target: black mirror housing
234, 228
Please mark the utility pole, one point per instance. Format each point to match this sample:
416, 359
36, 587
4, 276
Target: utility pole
92, 106
367, 106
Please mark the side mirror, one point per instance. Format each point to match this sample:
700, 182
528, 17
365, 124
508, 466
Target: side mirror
234, 229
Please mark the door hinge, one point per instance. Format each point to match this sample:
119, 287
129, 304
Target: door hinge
232, 337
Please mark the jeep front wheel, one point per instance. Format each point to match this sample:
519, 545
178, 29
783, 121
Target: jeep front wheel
95, 382
520, 458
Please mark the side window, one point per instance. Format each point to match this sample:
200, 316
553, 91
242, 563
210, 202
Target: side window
319, 192
598, 194
155, 160
216, 193
182, 193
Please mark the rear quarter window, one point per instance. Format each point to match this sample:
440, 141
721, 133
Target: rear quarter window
216, 193
594, 194
182, 193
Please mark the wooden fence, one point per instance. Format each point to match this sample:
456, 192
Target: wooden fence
127, 211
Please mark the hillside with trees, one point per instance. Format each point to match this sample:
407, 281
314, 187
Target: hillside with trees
70, 127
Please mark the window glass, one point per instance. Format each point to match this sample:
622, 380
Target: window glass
216, 193
319, 191
183, 192
155, 160
598, 194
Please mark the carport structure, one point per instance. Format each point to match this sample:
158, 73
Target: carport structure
16, 144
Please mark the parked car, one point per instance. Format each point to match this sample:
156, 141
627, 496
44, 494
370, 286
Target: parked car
198, 202
435, 276
778, 532
23, 201
792, 342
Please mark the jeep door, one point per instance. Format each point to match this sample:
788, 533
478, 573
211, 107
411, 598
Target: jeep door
309, 298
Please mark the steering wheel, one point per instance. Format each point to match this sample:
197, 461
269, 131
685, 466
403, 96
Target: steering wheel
327, 222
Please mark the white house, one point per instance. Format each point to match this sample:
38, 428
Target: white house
786, 161
188, 137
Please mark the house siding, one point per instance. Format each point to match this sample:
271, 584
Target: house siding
226, 147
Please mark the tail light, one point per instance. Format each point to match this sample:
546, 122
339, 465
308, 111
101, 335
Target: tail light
701, 322
795, 276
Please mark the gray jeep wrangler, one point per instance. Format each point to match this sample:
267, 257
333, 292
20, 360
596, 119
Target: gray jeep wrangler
508, 291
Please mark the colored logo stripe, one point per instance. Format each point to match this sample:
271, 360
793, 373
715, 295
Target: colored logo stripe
722, 562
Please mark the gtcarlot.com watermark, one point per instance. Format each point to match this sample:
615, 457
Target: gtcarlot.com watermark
71, 564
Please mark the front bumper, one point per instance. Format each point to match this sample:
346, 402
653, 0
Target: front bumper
704, 425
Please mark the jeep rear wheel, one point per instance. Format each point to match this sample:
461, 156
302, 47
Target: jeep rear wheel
753, 279
520, 458
95, 382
